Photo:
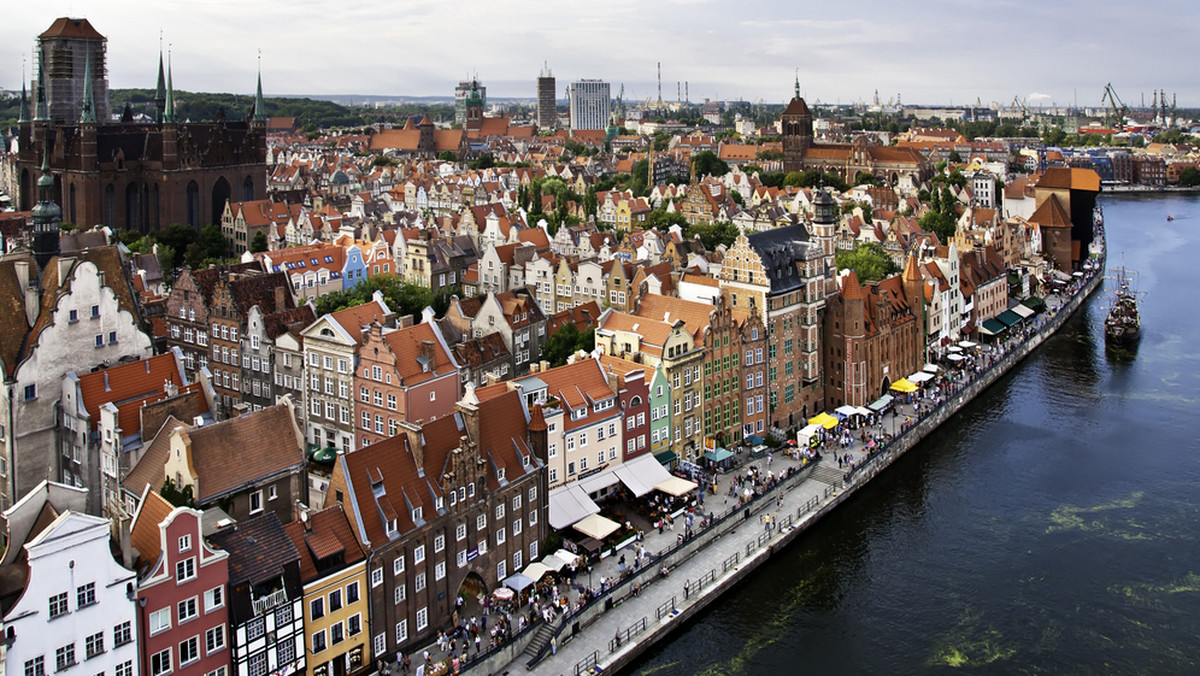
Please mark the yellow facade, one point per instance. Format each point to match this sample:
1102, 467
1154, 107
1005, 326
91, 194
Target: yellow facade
337, 636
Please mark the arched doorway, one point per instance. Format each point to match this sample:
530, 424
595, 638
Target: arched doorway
472, 590
220, 195
133, 208
193, 205
248, 189
887, 385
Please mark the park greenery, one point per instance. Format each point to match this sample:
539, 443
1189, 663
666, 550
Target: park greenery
942, 218
565, 342
401, 297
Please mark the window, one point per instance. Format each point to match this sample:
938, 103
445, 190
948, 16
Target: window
502, 570
256, 628
400, 594
419, 554
126, 668
318, 641
500, 536
439, 543
516, 527
461, 559
379, 643
337, 633
256, 502
94, 644
187, 609
517, 559
214, 598
354, 625
352, 592
112, 337
122, 634
185, 570
189, 650
95, 311
160, 620
258, 663
316, 608
214, 639
377, 577
335, 600
460, 532
398, 565
402, 629
422, 619
533, 517
499, 511
185, 543
419, 582
35, 666
160, 662
30, 392
439, 571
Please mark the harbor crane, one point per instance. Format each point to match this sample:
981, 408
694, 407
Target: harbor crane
1117, 108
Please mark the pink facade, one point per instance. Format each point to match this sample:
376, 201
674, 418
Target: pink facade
635, 414
183, 610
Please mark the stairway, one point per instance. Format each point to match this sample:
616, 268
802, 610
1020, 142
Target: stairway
541, 637
828, 475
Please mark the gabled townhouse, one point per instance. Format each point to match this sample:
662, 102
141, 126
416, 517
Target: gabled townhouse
317, 269
183, 616
330, 348
653, 342
482, 360
404, 374
448, 508
333, 570
233, 297
78, 605
247, 465
188, 311
241, 221
81, 313
266, 598
515, 315
780, 275
262, 381
103, 412
630, 382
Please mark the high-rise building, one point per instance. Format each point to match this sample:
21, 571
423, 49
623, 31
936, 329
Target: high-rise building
590, 104
469, 89
547, 113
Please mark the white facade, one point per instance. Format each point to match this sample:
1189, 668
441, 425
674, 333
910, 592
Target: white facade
78, 607
590, 104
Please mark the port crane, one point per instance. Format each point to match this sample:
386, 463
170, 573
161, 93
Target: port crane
1117, 108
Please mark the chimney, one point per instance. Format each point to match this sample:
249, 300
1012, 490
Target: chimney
124, 527
170, 388
404, 321
428, 353
64, 267
413, 432
280, 301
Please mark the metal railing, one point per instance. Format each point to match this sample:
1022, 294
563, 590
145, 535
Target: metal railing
625, 634
729, 563
587, 663
665, 609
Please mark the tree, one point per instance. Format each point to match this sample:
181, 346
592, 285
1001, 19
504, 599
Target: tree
565, 342
259, 242
447, 156
590, 206
213, 242
1189, 177
535, 198
714, 234
954, 157
737, 197
865, 178
707, 163
868, 260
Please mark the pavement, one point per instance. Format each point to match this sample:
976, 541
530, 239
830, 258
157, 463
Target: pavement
793, 504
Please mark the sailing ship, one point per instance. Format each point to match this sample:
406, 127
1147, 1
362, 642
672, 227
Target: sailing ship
1123, 326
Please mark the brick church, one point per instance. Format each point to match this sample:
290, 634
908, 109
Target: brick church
127, 174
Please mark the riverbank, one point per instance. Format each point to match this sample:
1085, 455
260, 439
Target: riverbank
1150, 189
619, 625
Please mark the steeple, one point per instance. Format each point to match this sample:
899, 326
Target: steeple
41, 112
260, 107
23, 114
87, 113
168, 114
160, 92
797, 83
46, 215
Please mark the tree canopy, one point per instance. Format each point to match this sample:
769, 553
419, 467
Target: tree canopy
565, 342
402, 297
868, 260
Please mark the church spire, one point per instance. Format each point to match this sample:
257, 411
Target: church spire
23, 114
797, 83
160, 92
168, 115
41, 111
46, 215
260, 107
87, 113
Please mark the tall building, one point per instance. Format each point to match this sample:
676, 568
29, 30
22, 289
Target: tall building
590, 104
547, 114
126, 174
66, 51
470, 89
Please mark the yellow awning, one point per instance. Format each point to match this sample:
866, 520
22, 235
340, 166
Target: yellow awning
903, 385
824, 420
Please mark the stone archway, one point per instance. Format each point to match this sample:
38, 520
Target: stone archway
221, 192
470, 590
887, 385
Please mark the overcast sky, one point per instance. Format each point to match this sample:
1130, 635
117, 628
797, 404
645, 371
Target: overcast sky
938, 51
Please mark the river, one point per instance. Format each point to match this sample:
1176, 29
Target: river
1053, 526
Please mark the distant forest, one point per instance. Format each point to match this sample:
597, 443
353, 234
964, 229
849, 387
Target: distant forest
311, 114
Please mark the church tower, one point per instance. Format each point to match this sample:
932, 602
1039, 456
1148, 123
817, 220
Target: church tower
160, 91
797, 132
46, 216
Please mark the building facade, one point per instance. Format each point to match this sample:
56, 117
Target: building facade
590, 104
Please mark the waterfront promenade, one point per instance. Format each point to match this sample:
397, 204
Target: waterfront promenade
619, 624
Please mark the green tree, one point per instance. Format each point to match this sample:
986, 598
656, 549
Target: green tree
868, 260
865, 178
566, 341
590, 206
176, 496
713, 234
535, 198
259, 242
706, 163
737, 197
954, 157
447, 156
1189, 177
213, 242
661, 219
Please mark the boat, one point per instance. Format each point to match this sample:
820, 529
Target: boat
1170, 217
1123, 326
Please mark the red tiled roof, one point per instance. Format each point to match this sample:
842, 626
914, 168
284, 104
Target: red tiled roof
128, 386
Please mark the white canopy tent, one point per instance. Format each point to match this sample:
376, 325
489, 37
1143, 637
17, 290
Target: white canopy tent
596, 526
553, 562
641, 474
676, 486
569, 504
535, 571
863, 410
567, 556
919, 377
966, 344
805, 436
954, 357
846, 410
931, 368
1023, 311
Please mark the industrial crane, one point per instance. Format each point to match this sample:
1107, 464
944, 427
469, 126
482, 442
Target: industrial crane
1117, 108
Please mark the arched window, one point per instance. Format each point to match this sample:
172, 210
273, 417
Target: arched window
110, 206
71, 205
133, 208
248, 189
193, 204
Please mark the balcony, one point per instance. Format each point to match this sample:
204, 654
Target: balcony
270, 601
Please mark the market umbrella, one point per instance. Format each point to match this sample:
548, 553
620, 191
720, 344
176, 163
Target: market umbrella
503, 593
905, 386
824, 420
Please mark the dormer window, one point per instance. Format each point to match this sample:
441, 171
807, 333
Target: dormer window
391, 527
500, 474
416, 514
440, 503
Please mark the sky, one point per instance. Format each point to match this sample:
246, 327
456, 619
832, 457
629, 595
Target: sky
930, 52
